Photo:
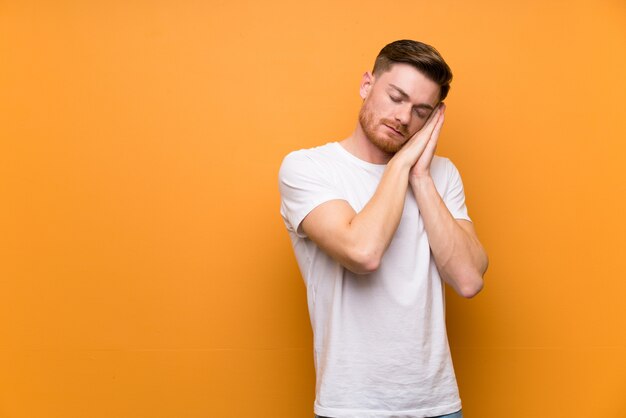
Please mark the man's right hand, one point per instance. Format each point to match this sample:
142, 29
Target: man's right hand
415, 146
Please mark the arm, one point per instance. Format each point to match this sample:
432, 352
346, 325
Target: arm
459, 255
460, 258
359, 240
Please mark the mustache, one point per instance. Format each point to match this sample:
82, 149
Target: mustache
403, 129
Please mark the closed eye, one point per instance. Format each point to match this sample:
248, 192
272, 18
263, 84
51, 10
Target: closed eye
421, 114
395, 99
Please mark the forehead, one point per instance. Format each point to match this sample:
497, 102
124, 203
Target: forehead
410, 81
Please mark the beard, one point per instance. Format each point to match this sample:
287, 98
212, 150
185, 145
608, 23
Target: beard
384, 141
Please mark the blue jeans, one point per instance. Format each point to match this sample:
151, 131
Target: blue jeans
457, 414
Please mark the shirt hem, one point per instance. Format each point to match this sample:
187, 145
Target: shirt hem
369, 413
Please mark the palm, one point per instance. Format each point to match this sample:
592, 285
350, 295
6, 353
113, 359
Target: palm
422, 165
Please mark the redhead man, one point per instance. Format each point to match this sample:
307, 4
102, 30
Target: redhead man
378, 223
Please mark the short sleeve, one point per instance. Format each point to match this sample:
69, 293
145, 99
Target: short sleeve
304, 184
454, 197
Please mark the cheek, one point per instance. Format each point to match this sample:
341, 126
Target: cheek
419, 124
377, 105
372, 111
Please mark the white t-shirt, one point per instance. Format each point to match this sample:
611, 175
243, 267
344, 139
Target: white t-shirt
380, 343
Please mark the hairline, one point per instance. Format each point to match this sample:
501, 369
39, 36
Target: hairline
389, 65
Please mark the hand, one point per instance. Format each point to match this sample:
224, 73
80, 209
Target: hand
422, 166
413, 149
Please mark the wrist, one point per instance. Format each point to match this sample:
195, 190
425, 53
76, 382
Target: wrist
400, 161
421, 180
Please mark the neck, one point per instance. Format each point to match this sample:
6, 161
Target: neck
358, 145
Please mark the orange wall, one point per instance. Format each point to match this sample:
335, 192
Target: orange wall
144, 267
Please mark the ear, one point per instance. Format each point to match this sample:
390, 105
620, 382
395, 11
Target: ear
366, 84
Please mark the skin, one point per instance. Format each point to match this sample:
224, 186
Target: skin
399, 125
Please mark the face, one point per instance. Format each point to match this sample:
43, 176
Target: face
396, 105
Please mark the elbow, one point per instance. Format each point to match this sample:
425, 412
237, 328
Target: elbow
471, 288
362, 261
474, 282
471, 285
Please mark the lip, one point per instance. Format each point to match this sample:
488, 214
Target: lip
398, 133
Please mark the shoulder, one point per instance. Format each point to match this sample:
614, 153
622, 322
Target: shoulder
305, 181
316, 153
308, 160
445, 175
443, 168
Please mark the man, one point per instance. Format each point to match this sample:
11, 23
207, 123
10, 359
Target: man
378, 224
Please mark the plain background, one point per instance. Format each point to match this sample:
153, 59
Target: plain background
144, 267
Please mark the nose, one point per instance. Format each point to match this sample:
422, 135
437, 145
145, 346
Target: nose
403, 114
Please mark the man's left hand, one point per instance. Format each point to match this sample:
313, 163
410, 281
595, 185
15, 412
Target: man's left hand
421, 168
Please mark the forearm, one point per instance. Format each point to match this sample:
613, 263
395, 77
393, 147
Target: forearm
372, 229
459, 256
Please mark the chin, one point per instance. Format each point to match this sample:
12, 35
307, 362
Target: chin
387, 146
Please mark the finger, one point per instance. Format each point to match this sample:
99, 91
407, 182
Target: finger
416, 145
431, 146
438, 126
434, 140
425, 132
434, 114
431, 122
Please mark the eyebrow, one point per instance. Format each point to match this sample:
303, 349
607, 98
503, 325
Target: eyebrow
406, 96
